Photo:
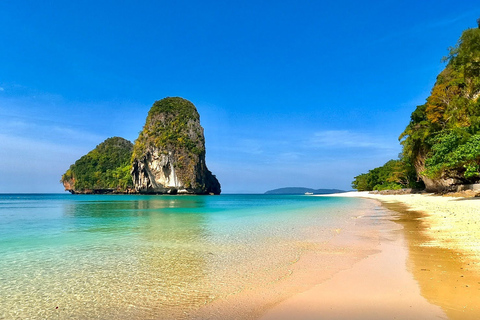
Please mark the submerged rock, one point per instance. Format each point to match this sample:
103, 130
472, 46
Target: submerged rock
169, 153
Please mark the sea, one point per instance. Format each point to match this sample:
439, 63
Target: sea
68, 256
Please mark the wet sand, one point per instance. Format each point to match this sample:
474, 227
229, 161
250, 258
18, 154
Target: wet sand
372, 261
377, 287
350, 242
449, 222
428, 269
448, 278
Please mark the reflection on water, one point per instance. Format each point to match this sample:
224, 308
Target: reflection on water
445, 276
144, 257
109, 259
175, 259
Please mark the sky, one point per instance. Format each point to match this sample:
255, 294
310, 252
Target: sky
290, 93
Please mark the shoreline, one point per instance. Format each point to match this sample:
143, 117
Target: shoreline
436, 274
451, 222
350, 241
343, 259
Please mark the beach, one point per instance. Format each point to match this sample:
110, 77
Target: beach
175, 257
350, 256
428, 269
450, 222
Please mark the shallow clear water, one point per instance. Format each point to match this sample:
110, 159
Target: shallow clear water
130, 256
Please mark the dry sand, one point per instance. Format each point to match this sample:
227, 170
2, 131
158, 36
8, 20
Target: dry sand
429, 269
451, 223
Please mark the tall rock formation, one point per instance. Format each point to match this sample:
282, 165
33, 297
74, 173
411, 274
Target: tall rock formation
169, 153
442, 139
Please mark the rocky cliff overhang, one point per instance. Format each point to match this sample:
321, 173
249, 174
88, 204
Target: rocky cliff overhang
155, 173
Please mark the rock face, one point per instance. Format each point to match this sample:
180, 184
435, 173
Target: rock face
169, 154
440, 184
442, 139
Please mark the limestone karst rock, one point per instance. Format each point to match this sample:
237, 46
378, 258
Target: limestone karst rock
169, 153
105, 169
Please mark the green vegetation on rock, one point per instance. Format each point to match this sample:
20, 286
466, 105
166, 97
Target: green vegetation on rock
168, 157
107, 167
170, 123
393, 175
169, 153
442, 140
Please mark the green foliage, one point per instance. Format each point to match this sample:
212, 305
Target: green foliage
105, 167
170, 125
455, 154
173, 126
68, 175
471, 171
443, 136
393, 175
442, 133
388, 186
180, 108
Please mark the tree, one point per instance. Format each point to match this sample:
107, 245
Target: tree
393, 175
105, 167
449, 118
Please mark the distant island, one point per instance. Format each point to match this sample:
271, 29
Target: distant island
302, 190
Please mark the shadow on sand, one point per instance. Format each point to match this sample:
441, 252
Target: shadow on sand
446, 278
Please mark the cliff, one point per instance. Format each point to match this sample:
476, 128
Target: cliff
441, 143
169, 153
442, 139
105, 169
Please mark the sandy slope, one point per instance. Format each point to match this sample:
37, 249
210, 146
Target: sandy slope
430, 270
453, 223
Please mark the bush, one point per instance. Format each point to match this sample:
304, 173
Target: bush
105, 167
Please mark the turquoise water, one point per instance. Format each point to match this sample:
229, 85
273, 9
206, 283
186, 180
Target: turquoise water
130, 256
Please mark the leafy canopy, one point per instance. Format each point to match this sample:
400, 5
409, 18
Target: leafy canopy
105, 167
170, 125
441, 139
393, 175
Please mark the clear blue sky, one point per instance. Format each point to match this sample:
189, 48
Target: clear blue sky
290, 93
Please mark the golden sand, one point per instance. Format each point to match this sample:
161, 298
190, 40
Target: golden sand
320, 259
450, 223
429, 269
